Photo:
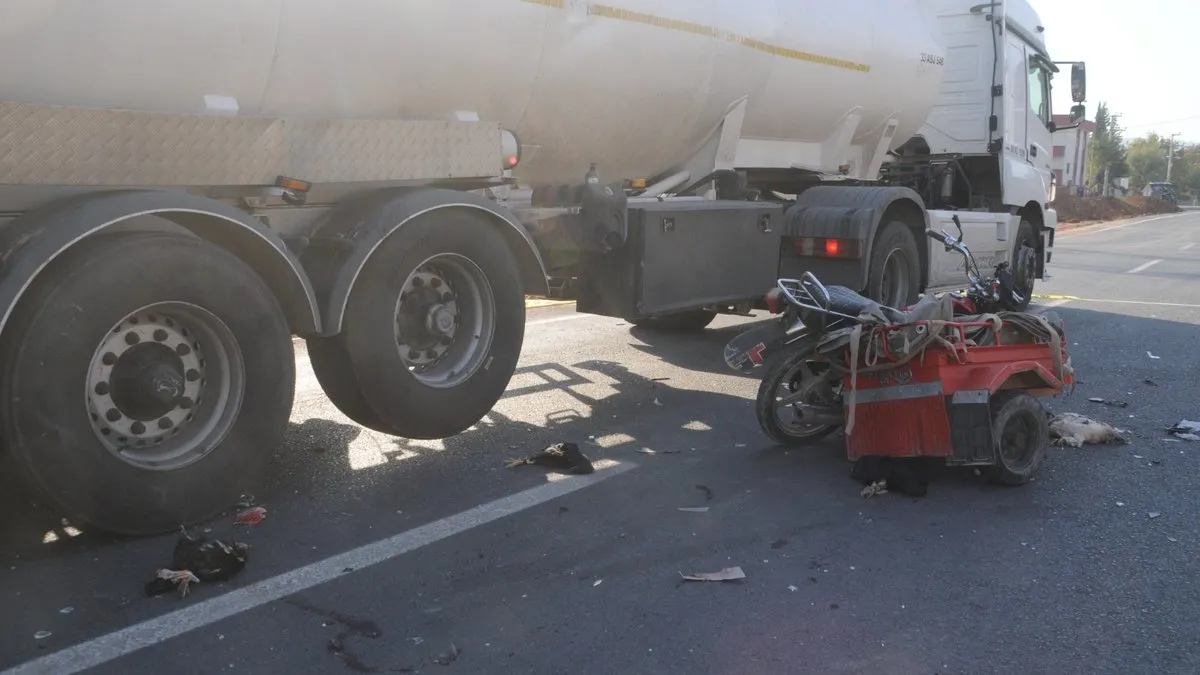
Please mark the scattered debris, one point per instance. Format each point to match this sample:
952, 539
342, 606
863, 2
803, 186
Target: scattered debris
597, 582
195, 559
648, 451
727, 574
246, 501
708, 493
1186, 430
1120, 503
449, 656
793, 588
351, 626
66, 610
1115, 404
694, 509
251, 516
1150, 382
42, 635
1172, 540
1153, 356
879, 487
779, 543
1073, 430
560, 456
1153, 514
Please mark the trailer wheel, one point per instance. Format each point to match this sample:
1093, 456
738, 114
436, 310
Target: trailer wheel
147, 378
434, 325
334, 369
786, 377
1022, 436
894, 276
1024, 264
683, 322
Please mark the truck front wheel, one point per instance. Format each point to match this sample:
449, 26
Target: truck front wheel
147, 379
894, 276
1024, 264
434, 326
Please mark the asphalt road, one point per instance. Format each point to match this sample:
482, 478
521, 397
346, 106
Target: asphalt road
378, 554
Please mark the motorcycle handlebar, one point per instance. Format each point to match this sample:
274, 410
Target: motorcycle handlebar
937, 236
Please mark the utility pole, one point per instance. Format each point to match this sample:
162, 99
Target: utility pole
1105, 191
1170, 153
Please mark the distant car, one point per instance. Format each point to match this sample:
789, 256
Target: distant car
1163, 190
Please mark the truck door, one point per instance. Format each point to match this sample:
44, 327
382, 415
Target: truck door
1038, 137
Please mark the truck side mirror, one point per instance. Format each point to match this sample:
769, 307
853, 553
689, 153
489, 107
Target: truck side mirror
1078, 113
1078, 82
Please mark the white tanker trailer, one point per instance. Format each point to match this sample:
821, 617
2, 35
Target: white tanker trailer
186, 185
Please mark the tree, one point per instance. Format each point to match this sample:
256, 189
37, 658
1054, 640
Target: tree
1147, 160
1106, 148
1185, 172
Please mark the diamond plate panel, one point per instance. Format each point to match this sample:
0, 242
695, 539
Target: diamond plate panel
52, 145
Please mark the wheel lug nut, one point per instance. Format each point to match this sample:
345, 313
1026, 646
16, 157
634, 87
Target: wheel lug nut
192, 375
109, 358
102, 388
113, 415
160, 335
137, 428
165, 423
435, 282
414, 354
418, 282
186, 403
182, 349
430, 354
131, 338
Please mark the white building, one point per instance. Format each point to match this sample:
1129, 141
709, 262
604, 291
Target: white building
1070, 152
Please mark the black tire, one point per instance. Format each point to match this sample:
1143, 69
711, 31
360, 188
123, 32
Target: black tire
894, 276
400, 400
781, 372
48, 354
334, 369
1022, 436
1024, 263
684, 322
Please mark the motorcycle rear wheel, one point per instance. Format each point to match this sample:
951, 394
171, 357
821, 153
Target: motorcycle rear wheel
783, 378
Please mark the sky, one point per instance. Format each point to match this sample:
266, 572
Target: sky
1143, 60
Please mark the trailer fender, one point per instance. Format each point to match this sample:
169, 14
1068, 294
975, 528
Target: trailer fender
351, 232
31, 242
854, 213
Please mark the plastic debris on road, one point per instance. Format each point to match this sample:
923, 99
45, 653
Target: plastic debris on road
251, 516
565, 457
1115, 404
875, 489
449, 656
727, 574
1186, 430
694, 509
1153, 356
1074, 430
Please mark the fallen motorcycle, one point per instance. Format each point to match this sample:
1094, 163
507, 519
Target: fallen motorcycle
955, 376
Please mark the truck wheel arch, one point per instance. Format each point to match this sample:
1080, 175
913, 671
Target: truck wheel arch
857, 212
35, 239
1034, 214
352, 231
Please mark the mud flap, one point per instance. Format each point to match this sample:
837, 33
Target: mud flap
751, 349
971, 429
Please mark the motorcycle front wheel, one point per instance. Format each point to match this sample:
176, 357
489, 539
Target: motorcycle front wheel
795, 373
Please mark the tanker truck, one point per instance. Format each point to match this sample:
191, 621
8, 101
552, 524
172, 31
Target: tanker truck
188, 187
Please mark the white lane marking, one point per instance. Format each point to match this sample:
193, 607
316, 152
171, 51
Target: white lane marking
173, 624
556, 319
1136, 302
1187, 246
1144, 266
1096, 230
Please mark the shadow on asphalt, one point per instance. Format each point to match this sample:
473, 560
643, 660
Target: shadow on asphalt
1110, 355
703, 351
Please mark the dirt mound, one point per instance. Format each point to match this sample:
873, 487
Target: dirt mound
1074, 209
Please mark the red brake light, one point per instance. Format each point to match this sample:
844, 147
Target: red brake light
511, 161
831, 248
